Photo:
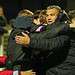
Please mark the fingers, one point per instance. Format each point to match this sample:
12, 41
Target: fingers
24, 40
24, 34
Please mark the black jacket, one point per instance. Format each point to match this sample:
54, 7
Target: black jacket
68, 66
50, 47
16, 52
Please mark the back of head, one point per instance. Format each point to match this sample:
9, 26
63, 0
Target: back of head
42, 17
23, 20
25, 12
36, 14
71, 20
36, 19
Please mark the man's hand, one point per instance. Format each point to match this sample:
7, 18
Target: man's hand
23, 40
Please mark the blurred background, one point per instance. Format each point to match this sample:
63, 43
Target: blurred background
12, 7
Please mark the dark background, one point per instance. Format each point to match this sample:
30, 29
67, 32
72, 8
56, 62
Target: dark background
12, 7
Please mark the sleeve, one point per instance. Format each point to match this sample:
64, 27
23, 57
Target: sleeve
49, 44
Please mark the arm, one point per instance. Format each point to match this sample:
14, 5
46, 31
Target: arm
49, 44
51, 39
43, 41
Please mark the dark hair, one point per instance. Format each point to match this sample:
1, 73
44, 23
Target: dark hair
42, 16
36, 14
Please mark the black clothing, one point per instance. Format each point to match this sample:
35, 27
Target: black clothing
16, 52
48, 47
68, 66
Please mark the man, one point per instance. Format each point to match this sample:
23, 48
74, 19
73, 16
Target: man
46, 46
68, 66
15, 52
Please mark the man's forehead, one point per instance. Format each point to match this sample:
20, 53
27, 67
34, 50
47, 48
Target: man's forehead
54, 10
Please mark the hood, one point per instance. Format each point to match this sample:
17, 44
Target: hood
23, 22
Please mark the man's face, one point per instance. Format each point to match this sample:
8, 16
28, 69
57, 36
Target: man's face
52, 15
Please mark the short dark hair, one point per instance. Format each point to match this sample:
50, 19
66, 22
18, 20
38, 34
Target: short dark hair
36, 14
42, 16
